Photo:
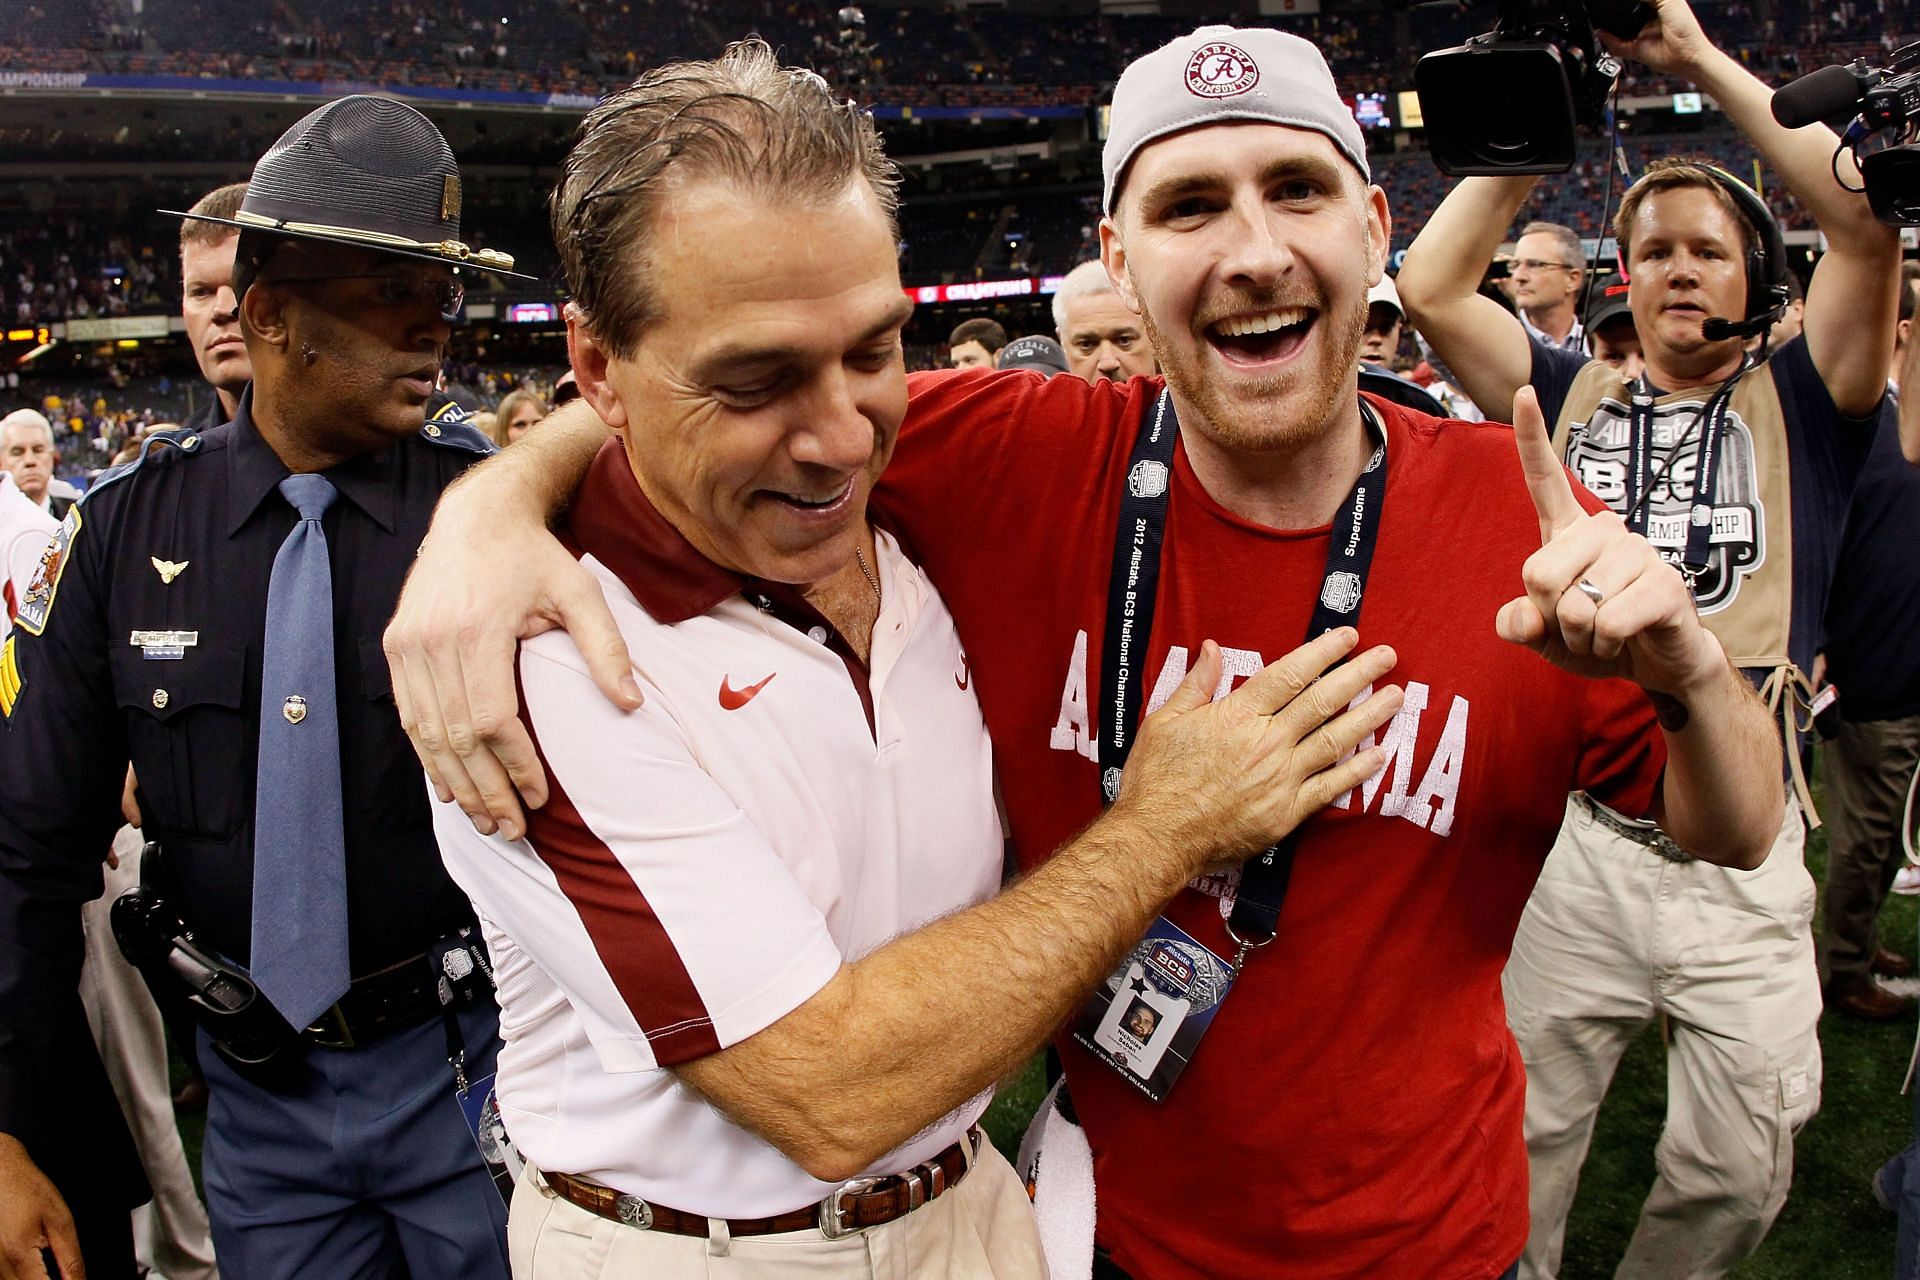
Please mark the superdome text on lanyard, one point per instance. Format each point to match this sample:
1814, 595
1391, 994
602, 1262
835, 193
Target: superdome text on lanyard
1131, 598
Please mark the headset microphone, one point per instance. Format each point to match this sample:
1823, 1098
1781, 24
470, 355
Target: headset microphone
1719, 328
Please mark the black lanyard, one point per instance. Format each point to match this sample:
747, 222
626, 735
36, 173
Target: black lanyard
1132, 594
1711, 421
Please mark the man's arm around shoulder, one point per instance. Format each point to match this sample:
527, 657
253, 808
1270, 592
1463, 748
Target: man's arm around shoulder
452, 683
899, 1038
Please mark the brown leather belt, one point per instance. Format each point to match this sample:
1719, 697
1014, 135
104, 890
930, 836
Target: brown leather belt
854, 1205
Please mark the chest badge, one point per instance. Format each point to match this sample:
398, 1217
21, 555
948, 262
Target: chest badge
169, 569
294, 709
163, 644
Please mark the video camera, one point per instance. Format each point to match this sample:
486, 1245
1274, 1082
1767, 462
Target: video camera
1868, 101
1509, 101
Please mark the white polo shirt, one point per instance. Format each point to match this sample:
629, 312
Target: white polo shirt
705, 864
25, 530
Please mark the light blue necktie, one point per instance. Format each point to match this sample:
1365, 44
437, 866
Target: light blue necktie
299, 842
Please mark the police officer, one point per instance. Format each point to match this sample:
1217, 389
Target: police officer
212, 612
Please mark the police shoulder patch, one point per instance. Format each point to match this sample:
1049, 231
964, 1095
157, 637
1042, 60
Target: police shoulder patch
37, 603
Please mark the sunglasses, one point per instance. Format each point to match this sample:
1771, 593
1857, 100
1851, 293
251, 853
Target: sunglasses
448, 296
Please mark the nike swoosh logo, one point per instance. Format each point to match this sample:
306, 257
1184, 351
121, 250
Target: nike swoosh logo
733, 699
966, 673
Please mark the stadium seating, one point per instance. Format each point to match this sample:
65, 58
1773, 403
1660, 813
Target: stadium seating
1031, 222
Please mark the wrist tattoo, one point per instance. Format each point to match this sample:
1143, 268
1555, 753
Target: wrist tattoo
1669, 711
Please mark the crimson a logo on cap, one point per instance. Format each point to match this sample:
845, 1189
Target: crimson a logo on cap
1220, 70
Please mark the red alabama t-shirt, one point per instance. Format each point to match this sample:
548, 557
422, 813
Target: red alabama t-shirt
1355, 1109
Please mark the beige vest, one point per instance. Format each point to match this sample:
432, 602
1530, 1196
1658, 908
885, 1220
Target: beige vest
1746, 593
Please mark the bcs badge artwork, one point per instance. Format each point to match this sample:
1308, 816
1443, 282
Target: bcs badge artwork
1148, 1017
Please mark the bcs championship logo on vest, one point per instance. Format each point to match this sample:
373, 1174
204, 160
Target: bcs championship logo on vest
1220, 70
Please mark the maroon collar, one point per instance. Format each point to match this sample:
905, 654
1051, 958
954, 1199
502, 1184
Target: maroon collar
613, 521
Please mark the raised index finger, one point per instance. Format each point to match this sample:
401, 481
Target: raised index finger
1547, 480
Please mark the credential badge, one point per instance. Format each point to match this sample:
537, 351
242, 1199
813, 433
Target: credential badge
1148, 479
1341, 592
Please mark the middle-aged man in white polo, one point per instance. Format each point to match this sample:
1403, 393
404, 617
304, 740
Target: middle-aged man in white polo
1326, 1087
1549, 271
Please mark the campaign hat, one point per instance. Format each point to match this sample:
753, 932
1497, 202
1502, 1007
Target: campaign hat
365, 171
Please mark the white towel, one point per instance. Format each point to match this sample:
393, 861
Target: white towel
1057, 1164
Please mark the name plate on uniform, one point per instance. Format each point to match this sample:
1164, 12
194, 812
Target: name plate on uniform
163, 645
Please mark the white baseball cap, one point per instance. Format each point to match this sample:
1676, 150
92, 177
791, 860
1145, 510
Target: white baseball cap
1385, 292
1218, 74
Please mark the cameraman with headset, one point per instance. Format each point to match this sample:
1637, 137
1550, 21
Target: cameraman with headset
1739, 468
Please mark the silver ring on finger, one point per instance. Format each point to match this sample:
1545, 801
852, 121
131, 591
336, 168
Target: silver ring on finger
1586, 588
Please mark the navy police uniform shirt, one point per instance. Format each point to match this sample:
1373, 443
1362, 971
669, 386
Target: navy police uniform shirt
143, 642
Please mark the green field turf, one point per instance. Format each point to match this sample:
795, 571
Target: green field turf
1831, 1228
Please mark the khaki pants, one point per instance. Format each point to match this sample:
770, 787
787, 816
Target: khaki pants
1868, 767
980, 1230
1613, 935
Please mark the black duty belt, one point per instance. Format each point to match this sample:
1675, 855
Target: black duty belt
396, 998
